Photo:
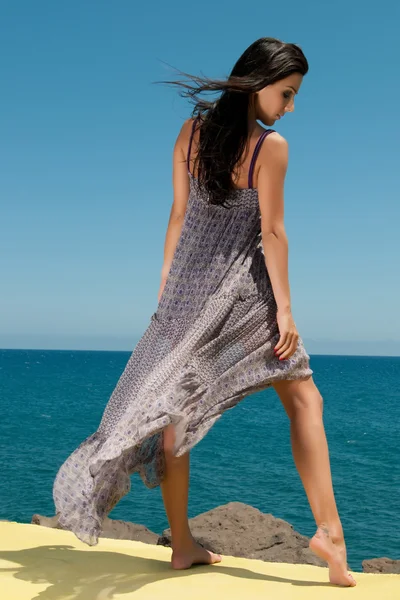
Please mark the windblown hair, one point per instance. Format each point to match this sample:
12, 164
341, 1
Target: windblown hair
224, 122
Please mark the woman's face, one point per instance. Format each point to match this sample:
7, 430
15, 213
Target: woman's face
275, 100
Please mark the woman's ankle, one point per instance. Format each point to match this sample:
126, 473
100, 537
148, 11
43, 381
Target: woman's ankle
182, 543
334, 530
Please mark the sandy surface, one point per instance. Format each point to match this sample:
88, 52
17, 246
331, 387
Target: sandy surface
51, 564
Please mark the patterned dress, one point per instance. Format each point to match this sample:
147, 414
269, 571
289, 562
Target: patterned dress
208, 345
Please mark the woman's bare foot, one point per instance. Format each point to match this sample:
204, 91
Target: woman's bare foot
335, 555
194, 554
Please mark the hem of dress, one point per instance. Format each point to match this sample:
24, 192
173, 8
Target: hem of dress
187, 436
185, 440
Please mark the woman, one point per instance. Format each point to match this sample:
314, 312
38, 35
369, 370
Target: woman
223, 327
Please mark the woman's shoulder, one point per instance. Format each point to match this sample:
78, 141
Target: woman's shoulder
185, 131
274, 145
275, 139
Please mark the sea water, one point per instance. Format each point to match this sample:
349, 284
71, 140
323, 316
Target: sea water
52, 400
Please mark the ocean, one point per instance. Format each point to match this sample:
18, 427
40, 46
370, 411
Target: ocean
51, 400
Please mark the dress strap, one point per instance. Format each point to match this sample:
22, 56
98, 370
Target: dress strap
255, 154
190, 143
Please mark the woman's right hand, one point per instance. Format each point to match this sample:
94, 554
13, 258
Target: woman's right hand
289, 336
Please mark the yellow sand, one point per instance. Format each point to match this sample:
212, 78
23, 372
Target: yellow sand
34, 559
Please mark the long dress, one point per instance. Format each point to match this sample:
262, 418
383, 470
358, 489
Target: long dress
208, 345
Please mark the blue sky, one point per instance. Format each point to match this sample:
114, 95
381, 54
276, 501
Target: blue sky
86, 161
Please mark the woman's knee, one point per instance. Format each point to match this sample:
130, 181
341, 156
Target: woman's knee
299, 397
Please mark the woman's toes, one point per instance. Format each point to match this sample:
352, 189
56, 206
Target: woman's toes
352, 580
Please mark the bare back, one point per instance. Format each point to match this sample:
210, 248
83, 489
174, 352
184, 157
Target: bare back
240, 176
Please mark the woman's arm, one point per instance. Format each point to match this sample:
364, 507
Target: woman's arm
180, 181
273, 160
271, 177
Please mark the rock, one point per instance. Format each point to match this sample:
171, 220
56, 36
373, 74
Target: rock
112, 528
45, 521
236, 529
381, 565
124, 530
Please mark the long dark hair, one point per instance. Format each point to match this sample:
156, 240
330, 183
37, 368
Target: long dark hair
224, 122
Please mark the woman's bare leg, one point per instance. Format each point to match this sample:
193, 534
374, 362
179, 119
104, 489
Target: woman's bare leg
175, 492
304, 406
